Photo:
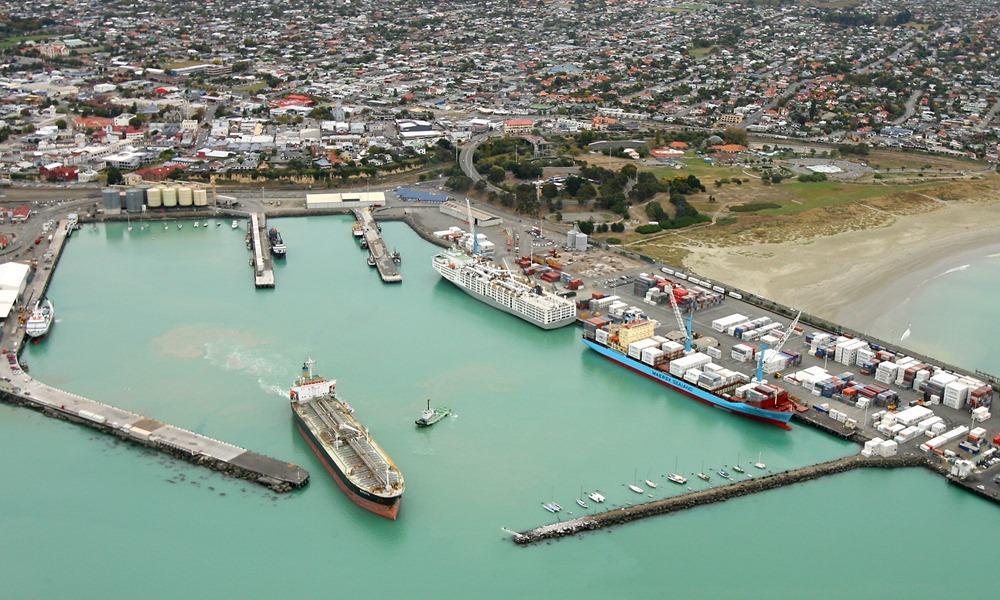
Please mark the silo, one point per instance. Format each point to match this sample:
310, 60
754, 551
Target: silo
154, 197
133, 199
169, 197
111, 201
184, 196
200, 198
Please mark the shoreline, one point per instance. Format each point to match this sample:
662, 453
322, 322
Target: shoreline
849, 277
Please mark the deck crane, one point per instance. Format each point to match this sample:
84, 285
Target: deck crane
684, 328
777, 347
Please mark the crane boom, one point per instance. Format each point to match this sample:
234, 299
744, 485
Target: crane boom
788, 334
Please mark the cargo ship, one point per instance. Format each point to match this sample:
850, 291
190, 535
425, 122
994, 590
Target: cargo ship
278, 248
359, 466
632, 346
483, 279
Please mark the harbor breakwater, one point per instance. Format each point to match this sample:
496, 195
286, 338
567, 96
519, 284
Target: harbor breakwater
626, 514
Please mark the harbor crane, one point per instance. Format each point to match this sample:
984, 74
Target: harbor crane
684, 328
472, 228
777, 347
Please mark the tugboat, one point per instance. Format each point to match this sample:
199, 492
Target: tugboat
396, 257
431, 416
371, 260
278, 248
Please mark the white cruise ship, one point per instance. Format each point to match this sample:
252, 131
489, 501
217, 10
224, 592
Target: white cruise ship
485, 280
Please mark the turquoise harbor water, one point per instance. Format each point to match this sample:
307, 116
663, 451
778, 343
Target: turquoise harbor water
951, 315
167, 323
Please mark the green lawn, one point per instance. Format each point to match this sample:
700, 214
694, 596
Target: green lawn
17, 39
796, 197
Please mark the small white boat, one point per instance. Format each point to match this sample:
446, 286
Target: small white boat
760, 465
40, 321
235, 224
651, 484
197, 224
636, 489
704, 477
218, 223
581, 503
738, 469
556, 506
678, 479
548, 506
596, 497
164, 228
179, 225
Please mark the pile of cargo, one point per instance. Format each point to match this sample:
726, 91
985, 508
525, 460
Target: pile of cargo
879, 447
937, 443
657, 290
762, 395
936, 385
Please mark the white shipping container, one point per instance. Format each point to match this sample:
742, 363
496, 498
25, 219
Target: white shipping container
602, 336
692, 376
724, 323
651, 356
713, 352
635, 348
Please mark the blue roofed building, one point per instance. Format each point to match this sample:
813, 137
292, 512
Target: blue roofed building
415, 195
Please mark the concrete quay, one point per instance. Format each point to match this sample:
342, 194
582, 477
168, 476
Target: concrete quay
263, 271
376, 247
712, 495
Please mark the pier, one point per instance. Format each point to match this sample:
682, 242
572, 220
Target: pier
263, 271
621, 515
20, 389
376, 247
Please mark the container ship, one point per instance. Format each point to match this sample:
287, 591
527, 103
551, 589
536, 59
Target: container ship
278, 248
634, 346
361, 468
495, 285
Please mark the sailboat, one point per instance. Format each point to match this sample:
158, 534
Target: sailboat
702, 475
759, 464
633, 486
737, 466
579, 500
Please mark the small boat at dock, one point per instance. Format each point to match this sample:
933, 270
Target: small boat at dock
738, 469
724, 474
581, 503
760, 465
371, 260
236, 224
704, 477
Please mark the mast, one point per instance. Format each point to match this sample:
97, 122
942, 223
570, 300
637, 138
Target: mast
472, 228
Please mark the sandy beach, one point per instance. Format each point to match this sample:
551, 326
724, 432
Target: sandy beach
851, 277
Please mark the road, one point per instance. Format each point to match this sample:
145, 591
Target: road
911, 107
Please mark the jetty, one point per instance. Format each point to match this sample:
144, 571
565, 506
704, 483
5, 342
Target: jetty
626, 514
263, 268
20, 389
376, 246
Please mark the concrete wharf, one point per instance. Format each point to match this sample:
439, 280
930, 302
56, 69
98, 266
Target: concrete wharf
20, 389
376, 247
713, 495
263, 269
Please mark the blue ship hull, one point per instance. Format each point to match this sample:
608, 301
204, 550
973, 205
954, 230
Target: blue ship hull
774, 417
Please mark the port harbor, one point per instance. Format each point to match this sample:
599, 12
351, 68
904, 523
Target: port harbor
711, 495
378, 254
257, 242
20, 389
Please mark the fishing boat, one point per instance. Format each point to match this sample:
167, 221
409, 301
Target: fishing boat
724, 474
596, 497
371, 260
676, 478
636, 489
40, 321
431, 416
236, 224
704, 476
651, 484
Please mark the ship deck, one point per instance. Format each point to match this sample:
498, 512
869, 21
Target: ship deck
363, 464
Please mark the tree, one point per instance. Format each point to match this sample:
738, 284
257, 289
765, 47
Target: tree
573, 184
61, 123
496, 174
115, 176
586, 227
735, 135
135, 122
549, 190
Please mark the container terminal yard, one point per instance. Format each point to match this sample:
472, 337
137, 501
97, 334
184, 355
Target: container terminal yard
907, 410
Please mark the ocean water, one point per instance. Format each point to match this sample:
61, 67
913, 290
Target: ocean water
952, 314
167, 323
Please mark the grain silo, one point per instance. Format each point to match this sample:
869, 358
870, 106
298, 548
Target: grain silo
154, 197
111, 201
200, 198
184, 196
134, 199
169, 197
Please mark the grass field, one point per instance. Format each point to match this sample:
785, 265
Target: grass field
17, 39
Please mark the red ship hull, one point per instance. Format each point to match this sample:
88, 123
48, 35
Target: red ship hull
389, 511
